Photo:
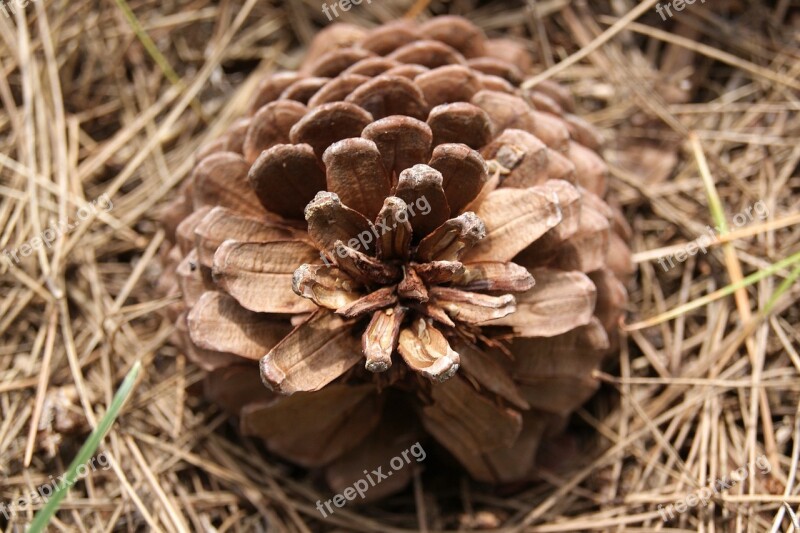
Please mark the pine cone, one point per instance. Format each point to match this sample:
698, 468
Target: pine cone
410, 244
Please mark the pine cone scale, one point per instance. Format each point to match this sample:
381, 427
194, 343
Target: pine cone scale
259, 275
355, 172
314, 354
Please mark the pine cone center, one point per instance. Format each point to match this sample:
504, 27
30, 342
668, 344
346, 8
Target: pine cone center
384, 273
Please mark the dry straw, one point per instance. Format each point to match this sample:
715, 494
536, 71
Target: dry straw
88, 110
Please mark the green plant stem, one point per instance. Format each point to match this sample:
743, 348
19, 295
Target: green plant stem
43, 517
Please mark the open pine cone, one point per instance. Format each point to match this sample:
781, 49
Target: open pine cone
409, 244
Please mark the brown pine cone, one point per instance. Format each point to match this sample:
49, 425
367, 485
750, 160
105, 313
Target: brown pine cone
409, 243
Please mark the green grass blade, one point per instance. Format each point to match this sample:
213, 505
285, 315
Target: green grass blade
43, 517
755, 277
714, 203
153, 51
782, 288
